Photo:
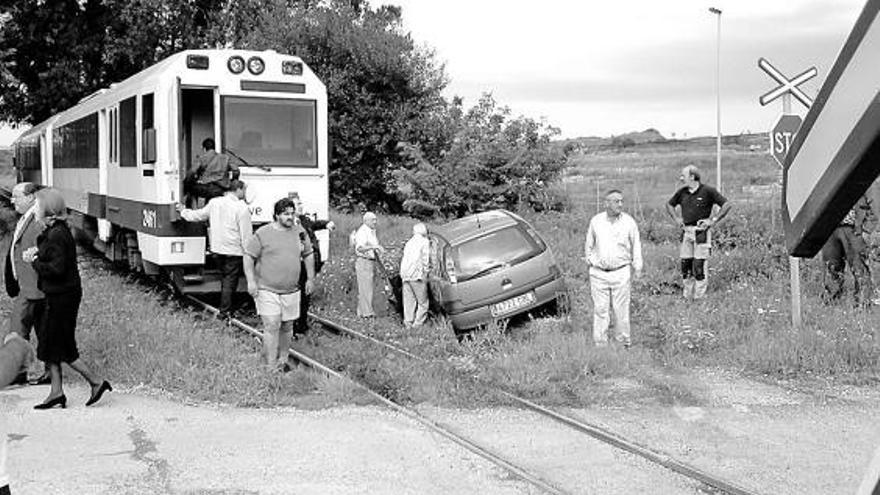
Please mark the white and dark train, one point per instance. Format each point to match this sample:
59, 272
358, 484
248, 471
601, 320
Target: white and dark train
120, 155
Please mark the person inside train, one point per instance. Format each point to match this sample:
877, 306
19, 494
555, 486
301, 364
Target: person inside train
212, 174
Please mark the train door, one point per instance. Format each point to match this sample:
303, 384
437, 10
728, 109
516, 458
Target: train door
106, 143
44, 160
197, 123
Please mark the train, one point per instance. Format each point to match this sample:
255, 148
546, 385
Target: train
121, 154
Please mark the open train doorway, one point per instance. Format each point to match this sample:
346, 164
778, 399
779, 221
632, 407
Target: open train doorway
197, 123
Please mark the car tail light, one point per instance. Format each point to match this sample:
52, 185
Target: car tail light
450, 271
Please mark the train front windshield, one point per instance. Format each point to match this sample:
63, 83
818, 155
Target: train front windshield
271, 132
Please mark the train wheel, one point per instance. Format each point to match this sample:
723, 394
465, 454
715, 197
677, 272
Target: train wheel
173, 279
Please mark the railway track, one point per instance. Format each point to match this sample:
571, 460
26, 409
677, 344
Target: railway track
511, 467
604, 435
705, 482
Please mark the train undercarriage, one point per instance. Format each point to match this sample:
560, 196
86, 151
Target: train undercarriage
122, 248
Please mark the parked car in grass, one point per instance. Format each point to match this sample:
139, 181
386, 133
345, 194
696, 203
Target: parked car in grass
491, 266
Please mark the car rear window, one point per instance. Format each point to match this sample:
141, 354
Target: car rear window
495, 250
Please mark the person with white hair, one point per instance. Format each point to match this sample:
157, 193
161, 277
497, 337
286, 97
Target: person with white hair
367, 250
414, 269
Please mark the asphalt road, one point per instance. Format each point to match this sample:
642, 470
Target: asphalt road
134, 441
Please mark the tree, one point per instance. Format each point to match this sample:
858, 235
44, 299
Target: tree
493, 161
41, 46
54, 53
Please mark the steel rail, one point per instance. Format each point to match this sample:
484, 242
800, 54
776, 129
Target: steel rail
594, 431
435, 426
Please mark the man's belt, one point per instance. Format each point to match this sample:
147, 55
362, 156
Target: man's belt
611, 269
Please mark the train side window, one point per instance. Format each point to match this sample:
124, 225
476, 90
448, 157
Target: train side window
148, 140
112, 135
127, 133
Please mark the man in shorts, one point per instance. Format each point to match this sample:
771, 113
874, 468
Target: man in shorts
272, 264
696, 201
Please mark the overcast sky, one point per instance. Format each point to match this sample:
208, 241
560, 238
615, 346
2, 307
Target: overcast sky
604, 67
612, 66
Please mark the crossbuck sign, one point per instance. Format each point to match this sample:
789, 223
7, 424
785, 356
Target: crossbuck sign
786, 85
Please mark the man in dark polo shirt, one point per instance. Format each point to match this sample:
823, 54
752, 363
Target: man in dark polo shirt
696, 202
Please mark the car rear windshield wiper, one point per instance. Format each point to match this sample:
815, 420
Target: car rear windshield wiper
245, 162
488, 269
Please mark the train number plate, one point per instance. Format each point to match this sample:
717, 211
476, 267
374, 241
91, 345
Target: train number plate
512, 304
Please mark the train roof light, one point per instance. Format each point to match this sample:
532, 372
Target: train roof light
197, 62
235, 64
256, 66
292, 68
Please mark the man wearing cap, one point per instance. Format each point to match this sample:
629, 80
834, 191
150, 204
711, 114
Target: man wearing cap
367, 250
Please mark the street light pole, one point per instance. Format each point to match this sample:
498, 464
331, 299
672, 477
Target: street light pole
717, 12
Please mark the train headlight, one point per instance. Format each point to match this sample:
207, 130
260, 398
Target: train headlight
235, 64
256, 66
291, 68
177, 247
197, 62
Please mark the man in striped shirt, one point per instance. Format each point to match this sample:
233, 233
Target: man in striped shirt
614, 255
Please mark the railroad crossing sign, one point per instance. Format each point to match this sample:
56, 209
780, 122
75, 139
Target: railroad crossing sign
781, 136
835, 155
786, 85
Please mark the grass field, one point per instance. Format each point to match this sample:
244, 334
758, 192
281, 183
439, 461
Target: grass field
744, 324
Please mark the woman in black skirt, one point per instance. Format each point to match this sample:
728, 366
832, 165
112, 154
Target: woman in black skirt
54, 260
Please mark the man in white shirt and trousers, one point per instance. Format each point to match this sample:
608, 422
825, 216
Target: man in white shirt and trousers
366, 250
614, 255
414, 269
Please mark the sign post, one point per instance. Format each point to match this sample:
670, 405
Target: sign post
782, 134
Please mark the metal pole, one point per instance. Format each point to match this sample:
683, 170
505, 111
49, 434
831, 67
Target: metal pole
794, 265
717, 12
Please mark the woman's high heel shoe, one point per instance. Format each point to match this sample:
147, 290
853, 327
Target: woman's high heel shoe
49, 404
96, 394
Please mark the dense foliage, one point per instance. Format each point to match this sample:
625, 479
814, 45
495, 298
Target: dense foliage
492, 161
390, 127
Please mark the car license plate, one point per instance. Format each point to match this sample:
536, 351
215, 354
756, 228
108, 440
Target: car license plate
512, 304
